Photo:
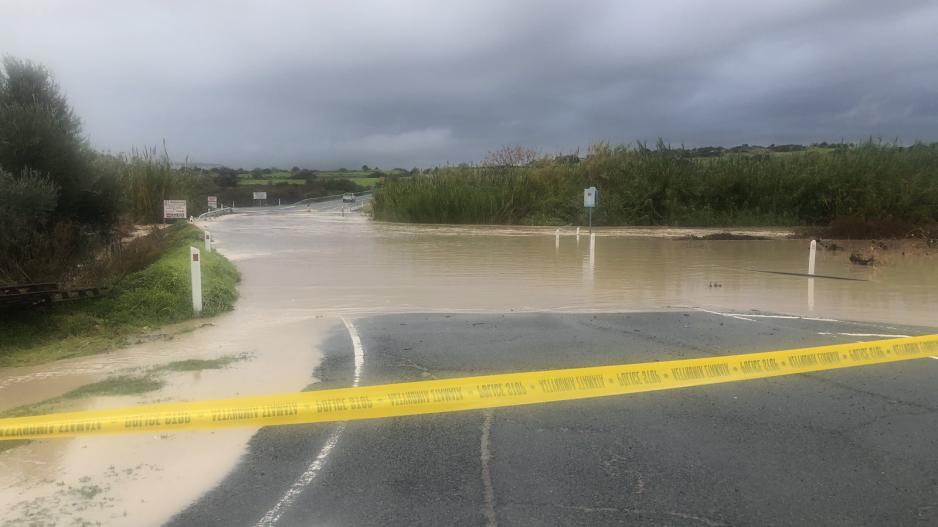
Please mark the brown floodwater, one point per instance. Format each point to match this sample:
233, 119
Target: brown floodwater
303, 270
317, 263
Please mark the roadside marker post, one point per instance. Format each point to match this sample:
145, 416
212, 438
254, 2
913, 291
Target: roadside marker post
208, 242
811, 256
196, 272
592, 251
557, 239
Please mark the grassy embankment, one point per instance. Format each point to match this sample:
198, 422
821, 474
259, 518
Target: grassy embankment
883, 189
156, 295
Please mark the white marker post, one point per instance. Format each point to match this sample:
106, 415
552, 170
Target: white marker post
811, 256
592, 251
196, 272
557, 239
208, 242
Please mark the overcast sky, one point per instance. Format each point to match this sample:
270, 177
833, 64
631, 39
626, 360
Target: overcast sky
405, 83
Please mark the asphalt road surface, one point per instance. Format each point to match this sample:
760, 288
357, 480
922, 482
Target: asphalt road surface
849, 447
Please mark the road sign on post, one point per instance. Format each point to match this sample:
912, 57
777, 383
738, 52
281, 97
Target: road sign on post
260, 196
589, 197
174, 209
589, 201
212, 202
196, 272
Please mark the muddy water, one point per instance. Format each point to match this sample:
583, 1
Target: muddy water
144, 479
326, 264
302, 270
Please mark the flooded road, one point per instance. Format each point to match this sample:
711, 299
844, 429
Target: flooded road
315, 264
304, 269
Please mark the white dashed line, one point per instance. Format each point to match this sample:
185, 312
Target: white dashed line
273, 515
740, 317
486, 458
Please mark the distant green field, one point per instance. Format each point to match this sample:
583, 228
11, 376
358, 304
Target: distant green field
362, 177
355, 174
367, 181
246, 182
282, 174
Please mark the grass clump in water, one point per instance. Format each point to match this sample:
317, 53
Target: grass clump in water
201, 364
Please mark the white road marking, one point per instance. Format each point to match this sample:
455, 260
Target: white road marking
749, 317
787, 317
307, 477
740, 317
884, 335
485, 456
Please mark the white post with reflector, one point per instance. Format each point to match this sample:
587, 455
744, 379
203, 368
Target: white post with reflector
196, 272
811, 256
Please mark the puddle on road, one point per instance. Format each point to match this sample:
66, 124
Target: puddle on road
301, 269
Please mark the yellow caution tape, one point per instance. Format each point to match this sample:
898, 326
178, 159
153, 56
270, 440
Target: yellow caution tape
467, 393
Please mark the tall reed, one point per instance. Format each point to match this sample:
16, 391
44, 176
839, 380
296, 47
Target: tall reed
639, 185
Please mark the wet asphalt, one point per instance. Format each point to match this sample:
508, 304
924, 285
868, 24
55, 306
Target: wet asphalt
850, 447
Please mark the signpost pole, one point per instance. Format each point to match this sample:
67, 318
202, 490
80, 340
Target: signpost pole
196, 272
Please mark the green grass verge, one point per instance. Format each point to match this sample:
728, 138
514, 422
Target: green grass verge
154, 296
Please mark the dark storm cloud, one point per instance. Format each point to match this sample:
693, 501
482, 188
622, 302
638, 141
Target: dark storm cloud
416, 83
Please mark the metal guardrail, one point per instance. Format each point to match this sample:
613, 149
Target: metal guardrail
331, 197
217, 212
29, 295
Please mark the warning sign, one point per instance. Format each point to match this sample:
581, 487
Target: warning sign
174, 209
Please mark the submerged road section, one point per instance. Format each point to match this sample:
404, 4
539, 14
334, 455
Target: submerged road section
846, 447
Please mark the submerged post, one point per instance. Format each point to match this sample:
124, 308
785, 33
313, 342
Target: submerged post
592, 251
811, 256
196, 272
